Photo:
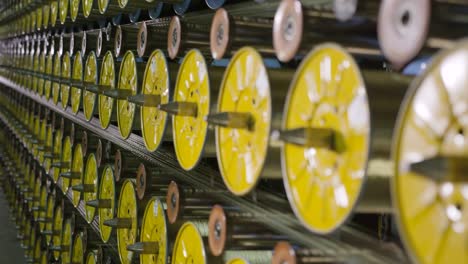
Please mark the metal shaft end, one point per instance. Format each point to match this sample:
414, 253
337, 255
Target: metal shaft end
180, 108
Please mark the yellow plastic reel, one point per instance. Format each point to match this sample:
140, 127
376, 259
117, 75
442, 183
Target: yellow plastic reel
46, 15
66, 239
49, 214
57, 72
102, 5
87, 6
66, 158
37, 248
327, 92
127, 208
90, 76
107, 77
57, 228
74, 8
36, 195
90, 177
66, 74
42, 204
128, 80
77, 167
33, 21
432, 215
61, 70
42, 139
106, 191
77, 75
48, 72
155, 82
40, 81
63, 10
37, 130
190, 132
35, 69
154, 229
91, 258
242, 152
53, 13
77, 255
57, 154
188, 247
48, 143
31, 242
122, 3
39, 18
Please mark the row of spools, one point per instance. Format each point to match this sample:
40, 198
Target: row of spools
333, 131
282, 28
60, 187
332, 113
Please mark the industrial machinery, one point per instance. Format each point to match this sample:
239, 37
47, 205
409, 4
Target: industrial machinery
240, 132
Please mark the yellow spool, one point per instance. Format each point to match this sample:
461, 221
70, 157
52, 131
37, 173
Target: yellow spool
39, 18
188, 247
35, 69
77, 75
31, 241
49, 215
66, 75
66, 239
37, 249
74, 8
236, 146
77, 167
36, 196
42, 204
46, 16
237, 261
57, 154
40, 81
53, 12
36, 131
44, 256
60, 70
87, 6
77, 255
48, 144
127, 208
56, 73
48, 72
63, 10
42, 141
107, 77
155, 82
32, 26
154, 229
432, 215
190, 132
102, 5
106, 192
128, 80
90, 76
66, 158
57, 228
91, 258
90, 178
